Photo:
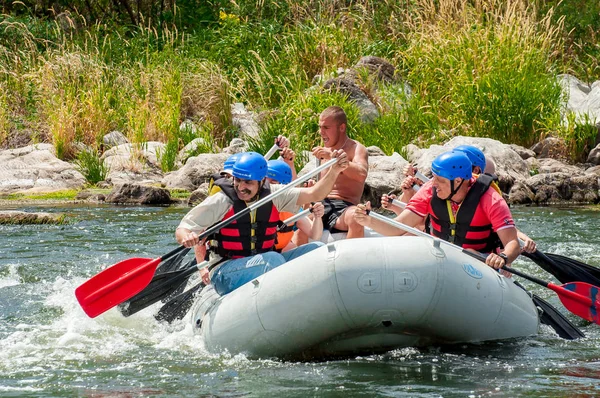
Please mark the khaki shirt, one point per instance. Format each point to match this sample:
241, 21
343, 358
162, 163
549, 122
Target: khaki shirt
213, 209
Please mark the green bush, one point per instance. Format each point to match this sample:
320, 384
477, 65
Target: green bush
88, 162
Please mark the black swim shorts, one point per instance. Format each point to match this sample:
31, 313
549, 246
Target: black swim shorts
333, 210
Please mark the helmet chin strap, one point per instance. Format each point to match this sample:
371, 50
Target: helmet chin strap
453, 190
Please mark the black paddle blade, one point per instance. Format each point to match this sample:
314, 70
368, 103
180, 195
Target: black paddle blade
178, 306
576, 264
557, 321
173, 263
162, 286
565, 269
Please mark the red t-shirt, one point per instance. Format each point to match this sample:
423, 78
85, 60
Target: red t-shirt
492, 205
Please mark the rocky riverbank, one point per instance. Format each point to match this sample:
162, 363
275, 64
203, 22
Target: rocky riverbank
536, 175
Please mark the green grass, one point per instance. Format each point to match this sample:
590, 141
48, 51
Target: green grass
68, 194
91, 166
179, 193
482, 68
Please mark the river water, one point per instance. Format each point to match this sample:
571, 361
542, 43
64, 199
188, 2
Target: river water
49, 347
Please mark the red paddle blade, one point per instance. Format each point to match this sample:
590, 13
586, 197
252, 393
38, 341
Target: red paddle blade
581, 298
116, 284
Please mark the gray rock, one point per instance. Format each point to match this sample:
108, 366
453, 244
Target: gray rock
520, 193
375, 151
550, 187
379, 67
368, 110
582, 99
385, 175
413, 152
137, 163
90, 196
198, 195
237, 145
35, 168
594, 156
114, 138
245, 120
139, 194
197, 170
548, 166
188, 125
551, 147
593, 170
191, 149
523, 152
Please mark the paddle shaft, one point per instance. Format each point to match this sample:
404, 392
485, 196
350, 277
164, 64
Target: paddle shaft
558, 289
271, 151
296, 217
561, 291
266, 199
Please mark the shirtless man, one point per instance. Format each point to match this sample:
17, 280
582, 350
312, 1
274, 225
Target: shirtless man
340, 204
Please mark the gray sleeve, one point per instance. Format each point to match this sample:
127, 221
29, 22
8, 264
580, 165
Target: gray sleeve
288, 200
207, 213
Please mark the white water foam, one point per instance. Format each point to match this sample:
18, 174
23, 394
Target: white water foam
12, 279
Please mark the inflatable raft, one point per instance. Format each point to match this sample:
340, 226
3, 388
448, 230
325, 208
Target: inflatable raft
365, 296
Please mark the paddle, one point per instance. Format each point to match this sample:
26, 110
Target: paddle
127, 278
143, 299
581, 298
563, 268
177, 307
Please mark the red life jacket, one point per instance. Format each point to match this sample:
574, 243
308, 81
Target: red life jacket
235, 240
471, 229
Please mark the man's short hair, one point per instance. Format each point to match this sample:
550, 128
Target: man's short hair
337, 113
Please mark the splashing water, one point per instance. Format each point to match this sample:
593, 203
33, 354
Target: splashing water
49, 347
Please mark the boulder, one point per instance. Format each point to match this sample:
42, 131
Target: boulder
378, 67
198, 195
582, 99
594, 156
236, 145
595, 170
22, 218
344, 85
523, 152
510, 167
385, 175
245, 120
191, 149
35, 168
197, 170
133, 163
139, 194
520, 193
549, 166
551, 147
114, 138
375, 151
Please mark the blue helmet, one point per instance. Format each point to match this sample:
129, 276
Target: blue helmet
250, 166
474, 154
279, 171
452, 165
228, 165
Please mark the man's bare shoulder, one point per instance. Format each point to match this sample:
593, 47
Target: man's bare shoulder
359, 152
